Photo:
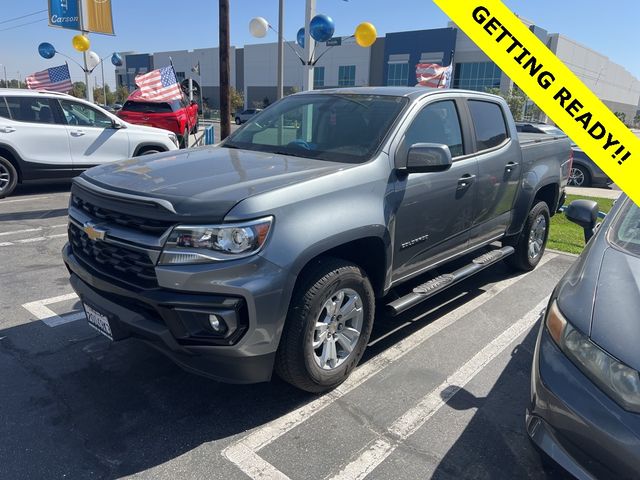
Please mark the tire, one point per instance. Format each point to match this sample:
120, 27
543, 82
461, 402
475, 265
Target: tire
532, 241
150, 151
196, 127
579, 176
8, 177
238, 121
185, 138
305, 356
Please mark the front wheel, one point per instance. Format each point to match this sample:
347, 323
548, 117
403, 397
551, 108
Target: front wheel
328, 326
532, 241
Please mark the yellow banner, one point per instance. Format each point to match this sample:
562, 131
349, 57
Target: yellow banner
98, 17
552, 86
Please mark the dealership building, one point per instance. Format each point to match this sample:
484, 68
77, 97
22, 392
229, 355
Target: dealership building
391, 60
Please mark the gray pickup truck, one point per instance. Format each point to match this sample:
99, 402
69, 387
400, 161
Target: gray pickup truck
271, 250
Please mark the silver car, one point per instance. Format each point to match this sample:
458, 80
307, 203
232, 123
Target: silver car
245, 115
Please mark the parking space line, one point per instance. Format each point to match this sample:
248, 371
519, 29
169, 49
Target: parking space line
30, 199
41, 311
29, 230
243, 453
32, 240
429, 405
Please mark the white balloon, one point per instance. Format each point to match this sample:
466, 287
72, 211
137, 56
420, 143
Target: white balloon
258, 27
93, 59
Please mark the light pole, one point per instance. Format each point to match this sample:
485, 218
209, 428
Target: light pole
310, 12
6, 84
280, 92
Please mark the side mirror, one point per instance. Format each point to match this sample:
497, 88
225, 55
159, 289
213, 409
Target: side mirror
428, 157
585, 214
117, 125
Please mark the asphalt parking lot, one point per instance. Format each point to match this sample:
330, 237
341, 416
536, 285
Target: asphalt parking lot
441, 392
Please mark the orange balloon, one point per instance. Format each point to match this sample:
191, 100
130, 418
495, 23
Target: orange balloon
81, 43
365, 34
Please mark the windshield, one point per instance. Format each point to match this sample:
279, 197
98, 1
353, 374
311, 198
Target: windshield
337, 127
625, 233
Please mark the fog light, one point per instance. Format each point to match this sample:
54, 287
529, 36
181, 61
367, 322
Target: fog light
217, 324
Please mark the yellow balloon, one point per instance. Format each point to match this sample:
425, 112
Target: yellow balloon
365, 34
81, 43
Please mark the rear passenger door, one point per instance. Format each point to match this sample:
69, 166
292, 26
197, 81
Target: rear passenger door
499, 169
34, 127
435, 210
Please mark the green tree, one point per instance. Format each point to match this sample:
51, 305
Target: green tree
79, 90
236, 99
636, 119
622, 116
98, 95
122, 93
515, 98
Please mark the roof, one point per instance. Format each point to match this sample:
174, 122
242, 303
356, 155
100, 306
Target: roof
410, 92
22, 92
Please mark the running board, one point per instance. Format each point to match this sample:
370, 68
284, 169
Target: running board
442, 282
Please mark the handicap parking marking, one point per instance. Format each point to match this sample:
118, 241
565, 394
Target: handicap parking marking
32, 240
430, 404
31, 230
244, 452
41, 311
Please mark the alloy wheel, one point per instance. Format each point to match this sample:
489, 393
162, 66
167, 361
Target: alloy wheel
537, 236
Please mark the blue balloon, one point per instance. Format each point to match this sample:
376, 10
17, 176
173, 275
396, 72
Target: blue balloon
116, 59
321, 28
300, 37
46, 50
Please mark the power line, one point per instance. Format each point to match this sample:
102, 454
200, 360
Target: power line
23, 16
23, 24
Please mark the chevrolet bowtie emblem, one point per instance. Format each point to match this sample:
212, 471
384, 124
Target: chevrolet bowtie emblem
94, 232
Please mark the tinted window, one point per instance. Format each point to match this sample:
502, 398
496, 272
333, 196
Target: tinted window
81, 114
489, 123
151, 107
32, 109
4, 110
436, 123
625, 233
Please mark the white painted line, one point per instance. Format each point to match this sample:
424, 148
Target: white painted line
244, 454
30, 199
41, 311
32, 240
29, 230
417, 416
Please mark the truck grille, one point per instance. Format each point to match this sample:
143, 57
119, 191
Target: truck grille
122, 263
122, 219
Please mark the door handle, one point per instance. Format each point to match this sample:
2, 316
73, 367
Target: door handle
510, 167
465, 181
77, 133
7, 129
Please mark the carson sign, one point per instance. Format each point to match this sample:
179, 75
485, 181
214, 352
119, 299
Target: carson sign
552, 86
64, 14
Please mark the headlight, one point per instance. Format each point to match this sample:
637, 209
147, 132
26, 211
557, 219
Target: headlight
215, 243
174, 138
620, 382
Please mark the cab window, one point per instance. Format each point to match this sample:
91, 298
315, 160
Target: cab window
489, 124
437, 123
83, 115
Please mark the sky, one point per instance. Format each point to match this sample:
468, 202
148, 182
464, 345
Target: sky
158, 25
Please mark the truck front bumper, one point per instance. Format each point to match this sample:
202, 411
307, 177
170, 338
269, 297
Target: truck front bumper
176, 321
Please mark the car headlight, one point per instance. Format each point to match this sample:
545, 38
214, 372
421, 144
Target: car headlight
620, 382
214, 243
174, 138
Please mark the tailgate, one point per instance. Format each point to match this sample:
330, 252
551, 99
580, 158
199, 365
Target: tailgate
166, 121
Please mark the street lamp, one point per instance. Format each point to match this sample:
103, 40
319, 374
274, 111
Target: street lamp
6, 84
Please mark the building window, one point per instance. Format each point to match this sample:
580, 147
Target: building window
180, 76
347, 76
398, 74
318, 77
478, 76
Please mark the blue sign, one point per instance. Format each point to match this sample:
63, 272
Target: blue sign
64, 14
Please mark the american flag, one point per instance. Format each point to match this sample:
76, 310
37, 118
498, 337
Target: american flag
159, 85
54, 79
433, 75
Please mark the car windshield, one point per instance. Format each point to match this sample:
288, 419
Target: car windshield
625, 232
151, 107
336, 127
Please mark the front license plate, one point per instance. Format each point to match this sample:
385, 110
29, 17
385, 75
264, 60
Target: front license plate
98, 321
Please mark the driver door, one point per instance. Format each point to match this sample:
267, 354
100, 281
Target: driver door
92, 138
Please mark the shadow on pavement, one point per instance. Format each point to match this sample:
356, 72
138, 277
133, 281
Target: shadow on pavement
33, 215
75, 404
41, 188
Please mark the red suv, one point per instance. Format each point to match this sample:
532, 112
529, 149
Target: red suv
177, 116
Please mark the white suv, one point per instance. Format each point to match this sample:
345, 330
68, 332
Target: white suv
45, 135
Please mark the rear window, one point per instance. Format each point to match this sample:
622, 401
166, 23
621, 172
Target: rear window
151, 107
32, 109
491, 129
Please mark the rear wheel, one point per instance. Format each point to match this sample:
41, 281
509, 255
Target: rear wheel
8, 177
579, 176
196, 127
328, 326
532, 241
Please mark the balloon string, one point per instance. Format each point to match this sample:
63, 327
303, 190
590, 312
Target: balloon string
289, 45
66, 56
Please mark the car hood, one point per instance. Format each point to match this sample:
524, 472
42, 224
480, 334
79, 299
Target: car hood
207, 182
616, 314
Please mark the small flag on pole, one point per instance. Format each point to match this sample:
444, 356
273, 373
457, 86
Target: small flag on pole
433, 75
159, 85
54, 79
196, 68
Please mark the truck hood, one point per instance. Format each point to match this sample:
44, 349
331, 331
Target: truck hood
207, 182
